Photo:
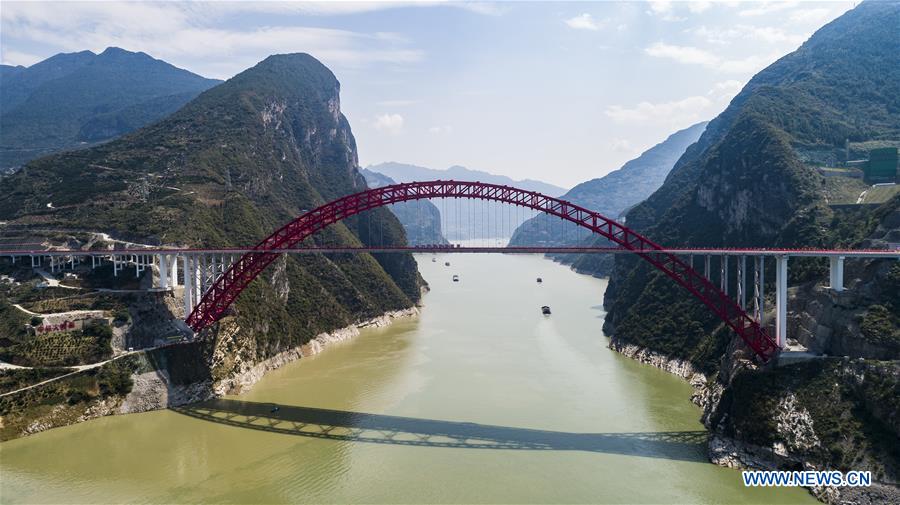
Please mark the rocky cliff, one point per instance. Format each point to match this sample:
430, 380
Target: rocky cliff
231, 166
751, 180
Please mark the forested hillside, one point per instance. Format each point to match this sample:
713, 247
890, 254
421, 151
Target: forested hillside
78, 99
227, 169
752, 180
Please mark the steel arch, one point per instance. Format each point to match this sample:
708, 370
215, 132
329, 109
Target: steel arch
229, 285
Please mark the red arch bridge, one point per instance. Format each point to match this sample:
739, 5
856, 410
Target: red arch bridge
213, 278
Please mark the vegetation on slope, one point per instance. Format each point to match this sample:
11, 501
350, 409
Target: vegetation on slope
751, 181
745, 182
227, 169
70, 100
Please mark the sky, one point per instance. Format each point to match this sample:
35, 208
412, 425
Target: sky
560, 92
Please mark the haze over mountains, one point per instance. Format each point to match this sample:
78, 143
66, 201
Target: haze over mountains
610, 195
421, 219
466, 219
402, 172
77, 99
617, 191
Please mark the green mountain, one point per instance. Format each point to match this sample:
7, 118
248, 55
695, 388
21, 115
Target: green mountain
420, 219
227, 169
752, 180
79, 99
402, 172
610, 195
467, 219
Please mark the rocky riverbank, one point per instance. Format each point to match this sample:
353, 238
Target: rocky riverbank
250, 374
794, 437
154, 388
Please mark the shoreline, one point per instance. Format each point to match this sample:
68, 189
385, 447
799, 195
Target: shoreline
729, 452
154, 390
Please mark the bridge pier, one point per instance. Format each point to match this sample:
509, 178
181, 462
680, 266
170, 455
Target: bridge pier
742, 282
723, 273
836, 273
163, 261
188, 285
781, 297
197, 277
706, 266
173, 270
759, 272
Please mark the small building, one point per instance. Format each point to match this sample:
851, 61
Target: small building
882, 165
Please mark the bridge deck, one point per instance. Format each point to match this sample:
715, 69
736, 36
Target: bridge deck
848, 253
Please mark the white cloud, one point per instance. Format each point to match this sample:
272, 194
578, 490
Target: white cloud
749, 65
726, 89
664, 10
695, 56
397, 103
438, 130
675, 113
389, 123
812, 16
623, 146
682, 54
189, 35
740, 33
16, 58
583, 22
697, 7
660, 6
342, 7
764, 8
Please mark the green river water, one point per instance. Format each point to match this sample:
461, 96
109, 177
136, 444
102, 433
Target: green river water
481, 399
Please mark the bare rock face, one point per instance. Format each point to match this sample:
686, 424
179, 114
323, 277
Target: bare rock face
794, 426
154, 391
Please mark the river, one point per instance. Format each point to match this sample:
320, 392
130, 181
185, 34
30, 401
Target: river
479, 399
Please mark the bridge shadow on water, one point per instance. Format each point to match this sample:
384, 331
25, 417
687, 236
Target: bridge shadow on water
409, 431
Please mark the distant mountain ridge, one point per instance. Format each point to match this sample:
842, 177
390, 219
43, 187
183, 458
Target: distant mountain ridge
421, 219
402, 172
611, 195
466, 219
78, 99
617, 191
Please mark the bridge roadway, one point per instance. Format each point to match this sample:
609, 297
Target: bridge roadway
214, 278
696, 251
202, 266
